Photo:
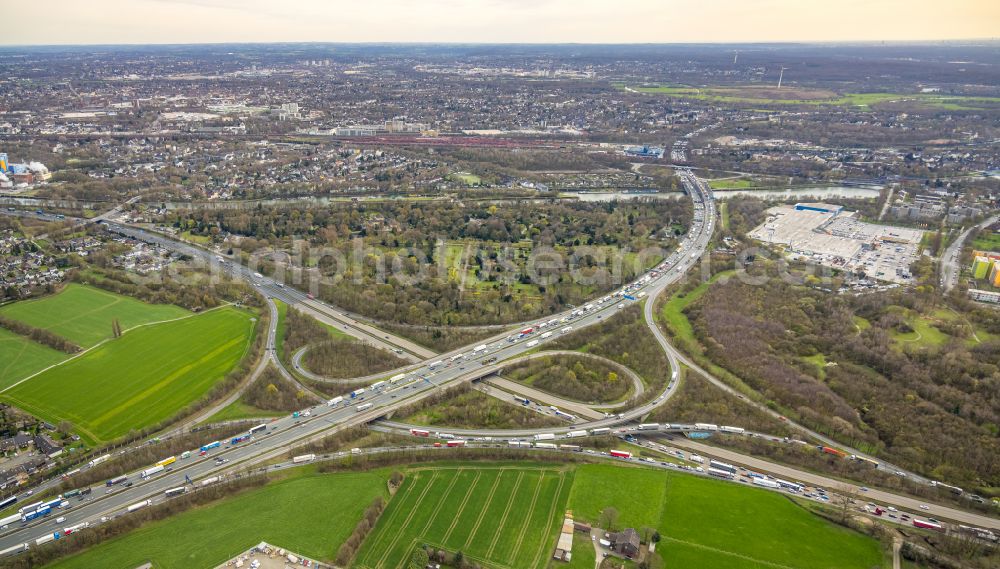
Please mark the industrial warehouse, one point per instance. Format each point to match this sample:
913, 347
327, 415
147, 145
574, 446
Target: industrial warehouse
830, 236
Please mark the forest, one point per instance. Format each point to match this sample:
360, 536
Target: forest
591, 381
853, 366
452, 263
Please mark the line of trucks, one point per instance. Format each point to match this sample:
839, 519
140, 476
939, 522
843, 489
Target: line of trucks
43, 508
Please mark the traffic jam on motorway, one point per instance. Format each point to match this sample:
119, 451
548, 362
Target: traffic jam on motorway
447, 368
703, 466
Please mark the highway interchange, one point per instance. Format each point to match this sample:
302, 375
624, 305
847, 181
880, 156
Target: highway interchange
429, 374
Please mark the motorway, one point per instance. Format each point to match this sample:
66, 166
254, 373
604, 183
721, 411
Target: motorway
429, 377
844, 488
422, 379
949, 261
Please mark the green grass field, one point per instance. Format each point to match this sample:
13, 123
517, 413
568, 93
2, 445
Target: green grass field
239, 410
730, 184
140, 379
465, 178
83, 314
673, 309
862, 100
20, 357
309, 514
747, 527
709, 523
637, 493
989, 242
924, 332
505, 516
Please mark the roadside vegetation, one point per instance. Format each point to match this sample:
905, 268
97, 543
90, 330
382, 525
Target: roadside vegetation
624, 338
345, 359
298, 330
919, 399
698, 401
272, 392
440, 338
587, 380
465, 407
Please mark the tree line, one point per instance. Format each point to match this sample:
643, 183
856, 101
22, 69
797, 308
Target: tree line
40, 335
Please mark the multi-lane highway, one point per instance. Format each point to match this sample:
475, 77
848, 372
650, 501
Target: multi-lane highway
444, 370
430, 373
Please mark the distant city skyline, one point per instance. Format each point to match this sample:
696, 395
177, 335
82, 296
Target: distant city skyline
52, 22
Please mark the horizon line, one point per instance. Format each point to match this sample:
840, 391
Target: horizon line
875, 42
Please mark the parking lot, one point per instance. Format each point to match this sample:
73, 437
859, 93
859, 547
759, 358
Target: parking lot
840, 240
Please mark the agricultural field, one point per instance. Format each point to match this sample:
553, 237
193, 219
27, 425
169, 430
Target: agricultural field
21, 357
139, 379
799, 96
506, 516
702, 515
83, 315
502, 515
710, 523
335, 503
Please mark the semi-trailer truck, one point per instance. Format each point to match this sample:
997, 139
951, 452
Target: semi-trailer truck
303, 458
167, 461
139, 505
99, 460
150, 471
116, 480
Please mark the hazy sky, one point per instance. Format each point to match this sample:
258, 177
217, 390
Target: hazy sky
530, 21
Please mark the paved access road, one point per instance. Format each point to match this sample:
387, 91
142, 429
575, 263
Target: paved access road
458, 365
949, 261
